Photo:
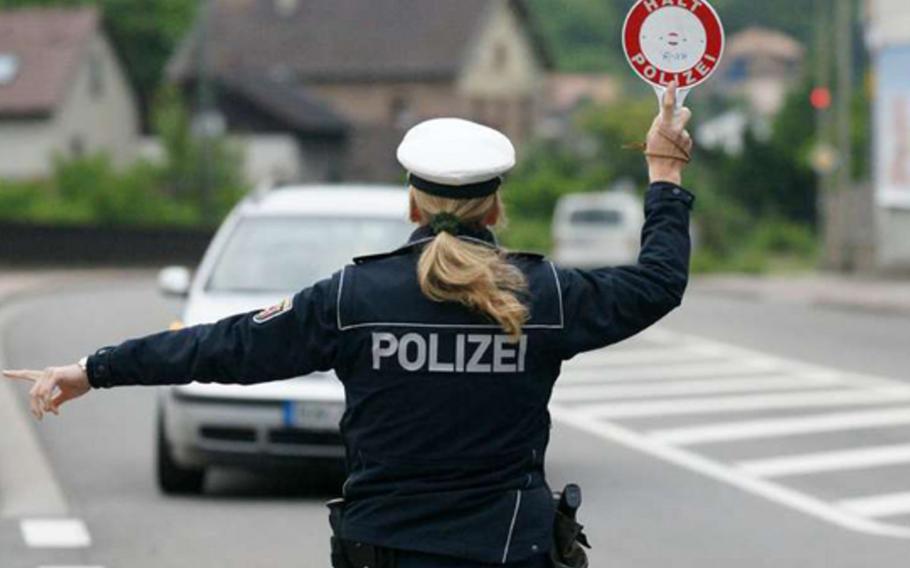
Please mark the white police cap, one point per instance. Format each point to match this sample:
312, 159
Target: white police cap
456, 158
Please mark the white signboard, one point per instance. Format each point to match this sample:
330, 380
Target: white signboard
892, 127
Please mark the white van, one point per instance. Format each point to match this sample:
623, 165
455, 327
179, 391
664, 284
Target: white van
598, 229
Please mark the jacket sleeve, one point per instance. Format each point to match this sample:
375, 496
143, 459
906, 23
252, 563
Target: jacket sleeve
288, 340
607, 305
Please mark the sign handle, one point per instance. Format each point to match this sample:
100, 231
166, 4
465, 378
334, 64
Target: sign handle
681, 94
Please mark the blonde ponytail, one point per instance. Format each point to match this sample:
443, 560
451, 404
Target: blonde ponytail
474, 275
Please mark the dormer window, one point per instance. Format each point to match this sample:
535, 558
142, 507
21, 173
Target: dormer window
9, 68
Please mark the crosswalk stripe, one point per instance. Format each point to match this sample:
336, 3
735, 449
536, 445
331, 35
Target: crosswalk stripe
828, 461
580, 393
713, 405
55, 533
767, 489
878, 505
669, 372
640, 356
773, 428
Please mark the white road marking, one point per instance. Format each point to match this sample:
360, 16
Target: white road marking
55, 533
879, 505
828, 461
737, 367
72, 566
713, 405
772, 491
668, 372
641, 355
773, 428
581, 393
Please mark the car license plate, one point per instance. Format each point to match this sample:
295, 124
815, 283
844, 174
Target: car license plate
314, 415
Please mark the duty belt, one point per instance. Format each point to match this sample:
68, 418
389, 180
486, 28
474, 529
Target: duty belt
352, 554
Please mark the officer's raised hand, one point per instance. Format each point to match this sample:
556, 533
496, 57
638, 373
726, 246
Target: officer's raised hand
669, 145
52, 387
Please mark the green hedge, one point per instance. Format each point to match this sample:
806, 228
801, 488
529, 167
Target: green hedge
89, 191
92, 191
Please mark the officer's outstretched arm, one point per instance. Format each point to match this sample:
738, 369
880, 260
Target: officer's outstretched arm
291, 339
294, 338
607, 305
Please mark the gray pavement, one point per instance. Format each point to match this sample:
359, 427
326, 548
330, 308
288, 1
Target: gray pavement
669, 481
866, 294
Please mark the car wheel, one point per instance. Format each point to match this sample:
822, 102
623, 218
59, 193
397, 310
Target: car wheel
173, 478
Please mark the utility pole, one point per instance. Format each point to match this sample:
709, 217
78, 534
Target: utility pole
843, 40
204, 110
827, 221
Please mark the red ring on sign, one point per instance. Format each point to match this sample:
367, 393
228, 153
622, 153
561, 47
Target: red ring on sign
648, 70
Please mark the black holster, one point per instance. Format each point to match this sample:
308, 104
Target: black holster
353, 554
568, 534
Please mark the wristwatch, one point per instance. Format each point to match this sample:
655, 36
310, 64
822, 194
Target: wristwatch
83, 364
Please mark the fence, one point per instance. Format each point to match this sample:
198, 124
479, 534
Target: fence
44, 245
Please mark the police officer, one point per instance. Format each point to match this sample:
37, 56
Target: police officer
448, 349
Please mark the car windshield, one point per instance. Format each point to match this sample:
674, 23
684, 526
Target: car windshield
598, 217
284, 254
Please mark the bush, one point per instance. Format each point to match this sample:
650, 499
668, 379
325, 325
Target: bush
91, 190
754, 212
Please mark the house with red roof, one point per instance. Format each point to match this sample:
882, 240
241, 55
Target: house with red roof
63, 91
346, 78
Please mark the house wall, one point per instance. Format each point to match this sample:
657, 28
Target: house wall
396, 104
503, 79
98, 114
27, 145
501, 84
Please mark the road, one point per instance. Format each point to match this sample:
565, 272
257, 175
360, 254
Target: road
759, 434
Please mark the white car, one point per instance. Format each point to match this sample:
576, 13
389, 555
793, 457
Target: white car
592, 230
271, 246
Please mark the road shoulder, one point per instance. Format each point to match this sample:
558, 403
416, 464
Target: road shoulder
814, 289
28, 485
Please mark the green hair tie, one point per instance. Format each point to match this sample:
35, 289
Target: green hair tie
445, 223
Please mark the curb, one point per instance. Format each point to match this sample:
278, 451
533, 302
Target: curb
822, 298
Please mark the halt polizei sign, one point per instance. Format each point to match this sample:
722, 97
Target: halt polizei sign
673, 40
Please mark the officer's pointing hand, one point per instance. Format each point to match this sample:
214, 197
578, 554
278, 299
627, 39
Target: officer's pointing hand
669, 146
52, 387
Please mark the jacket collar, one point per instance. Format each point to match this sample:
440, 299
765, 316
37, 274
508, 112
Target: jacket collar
479, 235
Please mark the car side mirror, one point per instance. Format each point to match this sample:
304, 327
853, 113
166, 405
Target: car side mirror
175, 281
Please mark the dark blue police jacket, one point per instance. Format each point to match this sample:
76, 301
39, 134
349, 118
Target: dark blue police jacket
446, 426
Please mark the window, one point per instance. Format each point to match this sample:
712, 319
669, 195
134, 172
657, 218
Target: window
283, 254
9, 68
500, 57
738, 70
601, 217
96, 75
286, 8
77, 147
400, 112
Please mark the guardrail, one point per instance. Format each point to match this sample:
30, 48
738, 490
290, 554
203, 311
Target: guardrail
49, 245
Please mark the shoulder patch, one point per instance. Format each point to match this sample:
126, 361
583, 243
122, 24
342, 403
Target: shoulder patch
273, 312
